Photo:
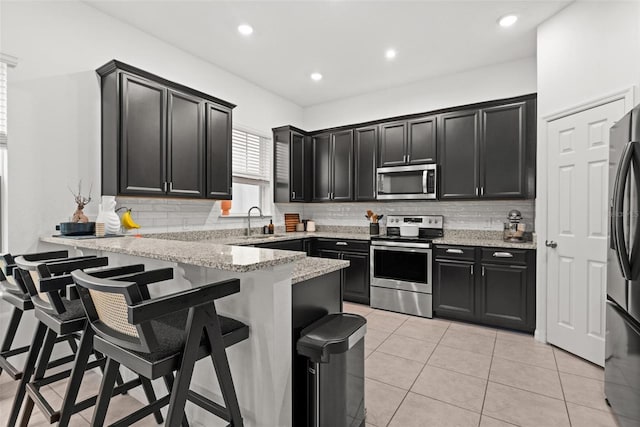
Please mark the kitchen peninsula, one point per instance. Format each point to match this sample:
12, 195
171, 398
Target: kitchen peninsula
278, 296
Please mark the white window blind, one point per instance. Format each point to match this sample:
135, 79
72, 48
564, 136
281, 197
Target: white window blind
251, 155
3, 104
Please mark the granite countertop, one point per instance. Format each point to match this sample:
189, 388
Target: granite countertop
487, 238
200, 253
311, 267
233, 238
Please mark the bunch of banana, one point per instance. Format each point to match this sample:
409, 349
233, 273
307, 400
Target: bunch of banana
128, 222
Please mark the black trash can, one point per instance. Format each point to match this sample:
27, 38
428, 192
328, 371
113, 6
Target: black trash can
334, 346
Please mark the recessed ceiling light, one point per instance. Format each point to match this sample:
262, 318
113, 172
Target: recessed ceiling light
390, 54
245, 29
316, 77
507, 20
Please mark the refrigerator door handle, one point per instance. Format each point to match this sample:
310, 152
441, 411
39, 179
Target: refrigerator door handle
617, 214
634, 241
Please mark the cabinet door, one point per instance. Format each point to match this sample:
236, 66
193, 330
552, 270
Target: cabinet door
299, 172
342, 160
365, 150
327, 253
421, 140
503, 296
356, 278
392, 144
503, 151
454, 289
281, 166
287, 245
458, 146
219, 179
321, 167
185, 145
143, 138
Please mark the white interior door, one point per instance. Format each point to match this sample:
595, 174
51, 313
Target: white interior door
578, 168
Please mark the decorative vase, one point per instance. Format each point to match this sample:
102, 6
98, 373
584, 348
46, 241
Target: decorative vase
109, 216
225, 205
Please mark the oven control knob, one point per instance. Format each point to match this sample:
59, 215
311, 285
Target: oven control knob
430, 221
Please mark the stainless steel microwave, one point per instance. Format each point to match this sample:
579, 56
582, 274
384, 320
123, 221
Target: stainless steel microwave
418, 182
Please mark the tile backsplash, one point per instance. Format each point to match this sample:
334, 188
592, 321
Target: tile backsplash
184, 214
462, 215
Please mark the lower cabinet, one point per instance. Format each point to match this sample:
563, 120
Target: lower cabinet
496, 288
355, 279
454, 289
285, 245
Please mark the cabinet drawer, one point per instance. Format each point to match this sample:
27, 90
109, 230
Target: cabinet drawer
343, 245
504, 255
456, 252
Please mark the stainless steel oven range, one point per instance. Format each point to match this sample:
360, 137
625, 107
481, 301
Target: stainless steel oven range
401, 264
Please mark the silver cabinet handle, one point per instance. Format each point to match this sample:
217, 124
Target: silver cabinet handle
482, 191
408, 158
476, 191
483, 270
342, 244
502, 255
472, 269
171, 186
164, 186
455, 251
293, 195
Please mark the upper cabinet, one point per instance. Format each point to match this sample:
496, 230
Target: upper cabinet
160, 138
365, 153
333, 166
488, 153
292, 174
408, 142
483, 151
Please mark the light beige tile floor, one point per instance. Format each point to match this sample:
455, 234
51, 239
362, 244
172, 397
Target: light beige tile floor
433, 372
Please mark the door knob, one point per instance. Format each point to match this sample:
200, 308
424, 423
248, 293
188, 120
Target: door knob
551, 243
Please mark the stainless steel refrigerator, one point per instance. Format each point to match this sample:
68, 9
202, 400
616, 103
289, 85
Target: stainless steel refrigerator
622, 348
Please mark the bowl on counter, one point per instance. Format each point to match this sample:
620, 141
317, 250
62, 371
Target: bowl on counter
77, 228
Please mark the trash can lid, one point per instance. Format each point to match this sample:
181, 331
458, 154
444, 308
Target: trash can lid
332, 334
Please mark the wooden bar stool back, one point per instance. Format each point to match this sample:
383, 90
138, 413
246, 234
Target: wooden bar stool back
159, 336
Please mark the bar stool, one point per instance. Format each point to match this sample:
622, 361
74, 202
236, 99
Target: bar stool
155, 337
14, 293
58, 317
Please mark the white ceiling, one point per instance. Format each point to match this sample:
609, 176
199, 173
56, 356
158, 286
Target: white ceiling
344, 40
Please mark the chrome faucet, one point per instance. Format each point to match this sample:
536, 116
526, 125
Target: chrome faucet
249, 218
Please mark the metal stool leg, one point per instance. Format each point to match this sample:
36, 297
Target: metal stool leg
45, 356
16, 315
104, 396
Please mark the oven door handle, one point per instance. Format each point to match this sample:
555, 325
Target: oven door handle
401, 247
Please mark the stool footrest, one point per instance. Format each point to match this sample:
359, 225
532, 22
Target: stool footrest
42, 403
209, 405
15, 373
65, 374
144, 412
121, 389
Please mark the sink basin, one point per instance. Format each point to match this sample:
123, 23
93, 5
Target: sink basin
261, 236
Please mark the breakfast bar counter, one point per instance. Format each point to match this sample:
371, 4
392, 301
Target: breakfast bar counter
263, 365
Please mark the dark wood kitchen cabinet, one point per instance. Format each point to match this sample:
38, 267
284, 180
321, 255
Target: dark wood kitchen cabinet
488, 153
459, 144
355, 279
491, 286
408, 142
454, 289
333, 166
292, 172
365, 153
160, 138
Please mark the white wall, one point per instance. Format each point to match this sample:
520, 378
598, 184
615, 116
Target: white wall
587, 51
481, 84
54, 103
